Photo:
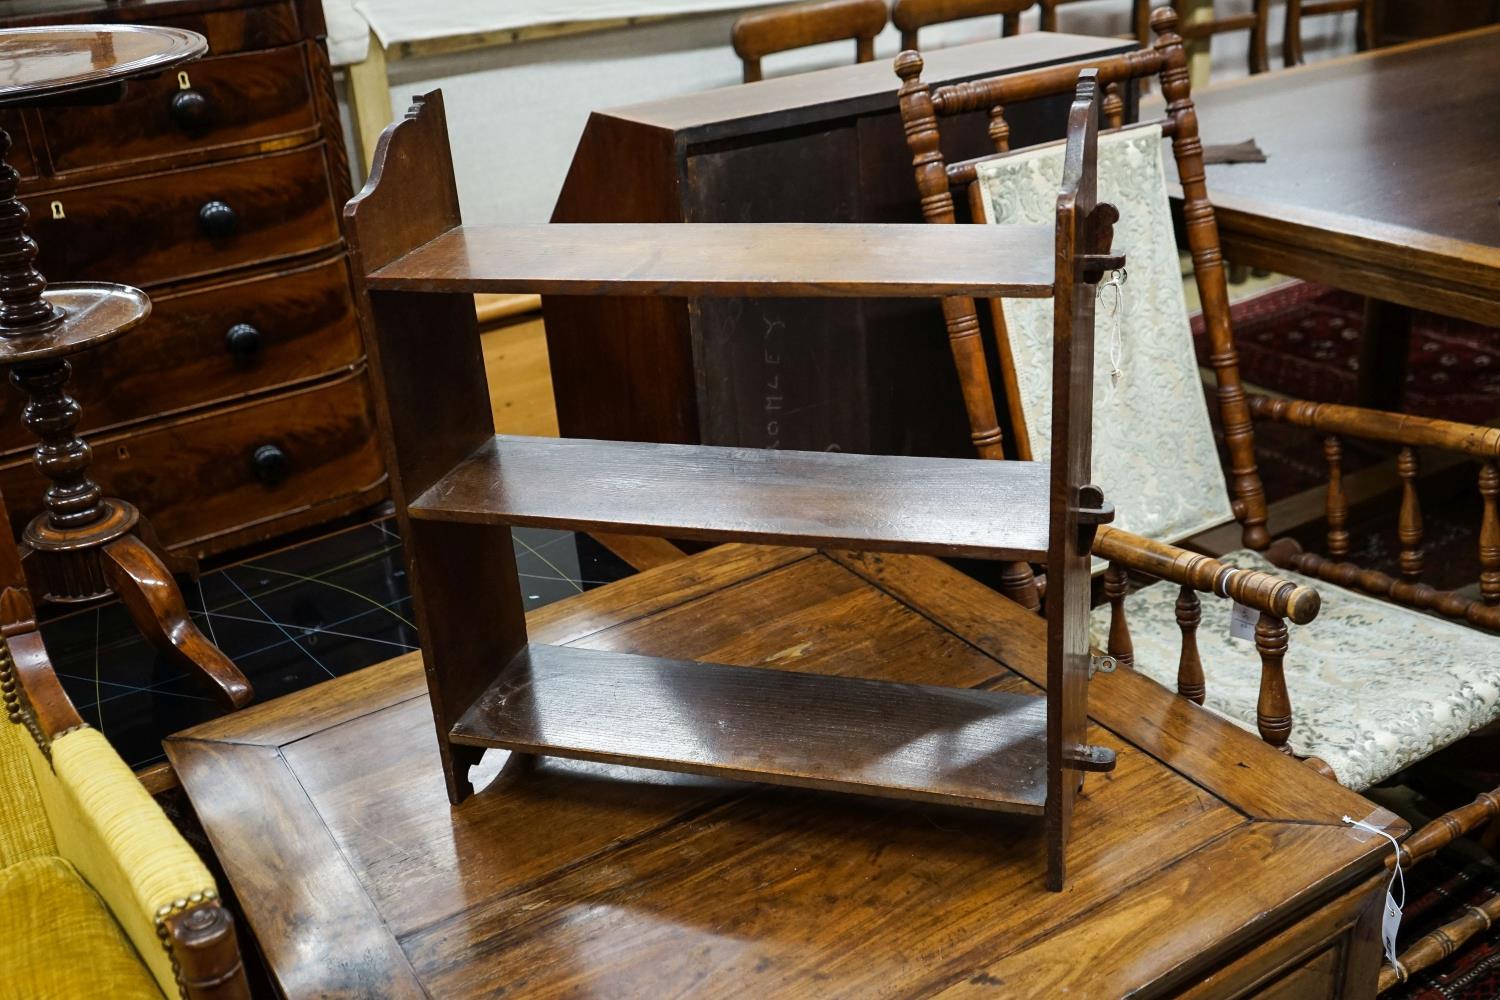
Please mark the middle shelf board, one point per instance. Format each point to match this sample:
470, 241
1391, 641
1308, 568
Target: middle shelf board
786, 260
932, 506
955, 746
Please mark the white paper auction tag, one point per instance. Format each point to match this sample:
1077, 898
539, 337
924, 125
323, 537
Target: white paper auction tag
1242, 622
1390, 923
1390, 919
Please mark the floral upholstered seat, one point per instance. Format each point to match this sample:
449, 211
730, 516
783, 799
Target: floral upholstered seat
1374, 686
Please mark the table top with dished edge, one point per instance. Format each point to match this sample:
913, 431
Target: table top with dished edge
57, 59
328, 811
1381, 162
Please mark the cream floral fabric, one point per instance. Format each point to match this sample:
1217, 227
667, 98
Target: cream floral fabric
1375, 687
1157, 407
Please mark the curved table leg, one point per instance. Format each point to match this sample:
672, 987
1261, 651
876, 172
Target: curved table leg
153, 600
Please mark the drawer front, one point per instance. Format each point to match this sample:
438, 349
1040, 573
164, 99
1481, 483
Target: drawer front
1333, 952
213, 345
250, 97
253, 27
189, 223
216, 473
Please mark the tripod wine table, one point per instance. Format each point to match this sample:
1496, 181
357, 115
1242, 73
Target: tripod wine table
84, 545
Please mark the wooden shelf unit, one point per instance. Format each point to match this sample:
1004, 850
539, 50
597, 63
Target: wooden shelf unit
459, 489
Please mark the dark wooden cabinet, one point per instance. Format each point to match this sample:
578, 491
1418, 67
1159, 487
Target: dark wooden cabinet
860, 375
240, 409
1405, 20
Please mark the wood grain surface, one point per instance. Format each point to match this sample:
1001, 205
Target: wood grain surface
1197, 861
991, 510
1380, 183
781, 259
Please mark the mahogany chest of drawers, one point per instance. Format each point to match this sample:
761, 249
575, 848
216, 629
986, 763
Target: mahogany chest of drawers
241, 409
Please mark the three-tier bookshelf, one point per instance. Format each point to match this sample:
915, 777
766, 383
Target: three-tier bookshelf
460, 488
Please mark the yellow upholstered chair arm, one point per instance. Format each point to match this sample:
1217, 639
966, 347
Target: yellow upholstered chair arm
120, 841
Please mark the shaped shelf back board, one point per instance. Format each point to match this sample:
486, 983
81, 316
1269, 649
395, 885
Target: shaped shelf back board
459, 489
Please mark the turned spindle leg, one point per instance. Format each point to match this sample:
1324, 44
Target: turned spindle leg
1338, 503
1116, 581
73, 500
22, 308
1273, 712
1190, 682
1489, 534
999, 129
1409, 526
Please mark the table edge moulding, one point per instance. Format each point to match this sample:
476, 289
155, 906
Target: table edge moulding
459, 489
164, 48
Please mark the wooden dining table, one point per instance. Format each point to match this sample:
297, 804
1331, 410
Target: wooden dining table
1380, 179
1205, 865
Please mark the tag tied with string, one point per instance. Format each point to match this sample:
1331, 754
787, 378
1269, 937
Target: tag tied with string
1116, 347
1242, 619
1390, 918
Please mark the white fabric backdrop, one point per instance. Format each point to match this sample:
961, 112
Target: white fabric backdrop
393, 21
515, 111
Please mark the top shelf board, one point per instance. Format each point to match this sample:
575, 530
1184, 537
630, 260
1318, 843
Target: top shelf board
789, 260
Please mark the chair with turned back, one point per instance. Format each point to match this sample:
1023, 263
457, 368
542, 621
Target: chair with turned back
1381, 680
1296, 10
766, 32
911, 16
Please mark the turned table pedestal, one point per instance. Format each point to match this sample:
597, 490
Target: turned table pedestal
84, 545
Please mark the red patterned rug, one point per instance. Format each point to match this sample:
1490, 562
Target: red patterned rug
1302, 339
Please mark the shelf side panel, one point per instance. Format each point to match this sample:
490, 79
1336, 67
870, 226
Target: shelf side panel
955, 746
434, 410
950, 507
1068, 577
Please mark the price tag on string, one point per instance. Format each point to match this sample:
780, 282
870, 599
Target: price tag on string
1242, 622
1390, 917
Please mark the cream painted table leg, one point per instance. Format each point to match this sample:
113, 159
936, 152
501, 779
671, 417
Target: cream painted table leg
1200, 59
370, 99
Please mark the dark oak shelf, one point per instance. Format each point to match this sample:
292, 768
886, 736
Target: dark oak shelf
954, 746
985, 510
789, 260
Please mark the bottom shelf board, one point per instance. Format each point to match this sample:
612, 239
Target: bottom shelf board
954, 746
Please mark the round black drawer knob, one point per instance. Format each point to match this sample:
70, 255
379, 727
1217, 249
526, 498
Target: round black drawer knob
217, 220
270, 465
243, 341
191, 112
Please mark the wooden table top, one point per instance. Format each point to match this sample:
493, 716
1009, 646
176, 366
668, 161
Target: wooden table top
328, 811
1380, 172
